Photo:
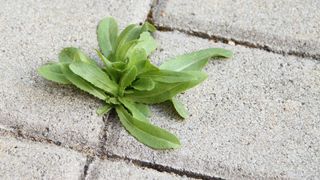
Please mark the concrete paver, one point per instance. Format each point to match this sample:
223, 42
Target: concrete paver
107, 169
30, 160
32, 33
286, 26
256, 116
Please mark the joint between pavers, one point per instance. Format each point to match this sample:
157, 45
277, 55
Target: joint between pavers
86, 167
150, 13
103, 135
161, 168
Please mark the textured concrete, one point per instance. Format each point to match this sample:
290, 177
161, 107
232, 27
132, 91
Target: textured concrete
256, 116
100, 170
289, 26
30, 160
32, 33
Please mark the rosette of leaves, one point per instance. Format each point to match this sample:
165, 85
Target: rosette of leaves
128, 82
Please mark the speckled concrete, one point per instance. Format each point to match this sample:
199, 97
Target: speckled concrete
280, 25
106, 169
32, 33
256, 116
30, 160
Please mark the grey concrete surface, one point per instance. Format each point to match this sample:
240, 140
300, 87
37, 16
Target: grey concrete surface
256, 116
32, 33
30, 160
106, 169
285, 26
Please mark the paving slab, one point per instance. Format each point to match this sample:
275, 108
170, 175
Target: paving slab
32, 160
256, 116
106, 169
32, 33
285, 26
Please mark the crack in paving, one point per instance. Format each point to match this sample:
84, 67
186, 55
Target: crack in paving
86, 167
103, 135
150, 13
150, 18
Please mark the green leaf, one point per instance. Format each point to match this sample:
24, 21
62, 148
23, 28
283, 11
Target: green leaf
148, 27
81, 83
67, 55
168, 76
105, 61
160, 93
143, 84
108, 67
107, 33
140, 37
135, 111
128, 35
180, 108
194, 61
122, 51
146, 42
138, 58
127, 79
95, 76
112, 100
104, 109
53, 72
119, 66
71, 54
146, 133
165, 91
144, 109
148, 66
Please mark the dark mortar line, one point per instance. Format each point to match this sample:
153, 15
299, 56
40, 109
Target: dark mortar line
103, 139
161, 168
224, 40
18, 134
150, 18
150, 13
86, 167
